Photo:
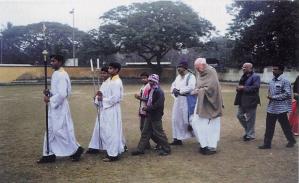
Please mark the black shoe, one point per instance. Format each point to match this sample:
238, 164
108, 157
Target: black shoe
163, 152
246, 139
176, 142
47, 159
210, 152
92, 151
157, 147
77, 155
148, 146
264, 147
290, 144
203, 150
126, 148
110, 158
136, 153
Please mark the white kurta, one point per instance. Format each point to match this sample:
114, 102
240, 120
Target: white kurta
110, 117
62, 141
96, 141
206, 131
180, 107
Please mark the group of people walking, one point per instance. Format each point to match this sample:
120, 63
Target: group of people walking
197, 111
279, 104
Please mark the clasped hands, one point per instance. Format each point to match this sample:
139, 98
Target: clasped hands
176, 92
99, 95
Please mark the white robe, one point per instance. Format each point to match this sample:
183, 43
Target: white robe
110, 117
180, 107
62, 141
206, 131
96, 141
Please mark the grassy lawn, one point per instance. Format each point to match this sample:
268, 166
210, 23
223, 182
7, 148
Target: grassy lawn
21, 136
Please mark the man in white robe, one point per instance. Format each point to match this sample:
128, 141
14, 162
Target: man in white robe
96, 142
62, 141
110, 98
182, 86
206, 120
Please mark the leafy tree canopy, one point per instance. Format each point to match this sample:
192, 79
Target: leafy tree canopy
152, 29
24, 44
266, 32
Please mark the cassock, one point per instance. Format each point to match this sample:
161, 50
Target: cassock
180, 120
62, 141
111, 132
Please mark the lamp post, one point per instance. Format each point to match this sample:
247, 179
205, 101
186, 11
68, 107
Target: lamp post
73, 13
1, 47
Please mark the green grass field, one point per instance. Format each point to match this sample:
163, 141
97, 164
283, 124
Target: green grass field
22, 124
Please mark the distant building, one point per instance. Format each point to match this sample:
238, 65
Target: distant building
71, 62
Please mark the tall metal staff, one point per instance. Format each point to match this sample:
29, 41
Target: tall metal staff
93, 81
94, 89
45, 53
98, 107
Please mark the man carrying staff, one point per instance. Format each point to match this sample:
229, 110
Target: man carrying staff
110, 98
206, 120
62, 141
96, 142
183, 84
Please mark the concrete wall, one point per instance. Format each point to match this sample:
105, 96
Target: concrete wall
10, 74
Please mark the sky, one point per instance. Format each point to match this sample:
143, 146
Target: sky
87, 12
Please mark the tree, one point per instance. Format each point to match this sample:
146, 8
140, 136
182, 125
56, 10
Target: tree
95, 45
266, 32
152, 29
24, 44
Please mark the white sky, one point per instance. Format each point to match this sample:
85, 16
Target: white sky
87, 12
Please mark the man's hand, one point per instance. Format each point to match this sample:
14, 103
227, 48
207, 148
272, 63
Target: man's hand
46, 99
144, 108
137, 96
176, 92
195, 91
46, 92
240, 87
269, 97
99, 95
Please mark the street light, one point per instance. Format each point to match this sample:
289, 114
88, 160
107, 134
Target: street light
73, 13
1, 46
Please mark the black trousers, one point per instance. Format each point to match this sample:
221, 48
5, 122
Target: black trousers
270, 127
142, 122
153, 130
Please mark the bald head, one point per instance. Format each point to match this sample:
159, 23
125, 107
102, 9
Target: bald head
247, 67
200, 64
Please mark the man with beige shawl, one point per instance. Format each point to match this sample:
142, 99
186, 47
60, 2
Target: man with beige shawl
206, 118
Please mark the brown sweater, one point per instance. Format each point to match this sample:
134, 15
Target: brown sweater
210, 103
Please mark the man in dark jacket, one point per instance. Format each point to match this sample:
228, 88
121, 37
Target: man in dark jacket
247, 98
153, 124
